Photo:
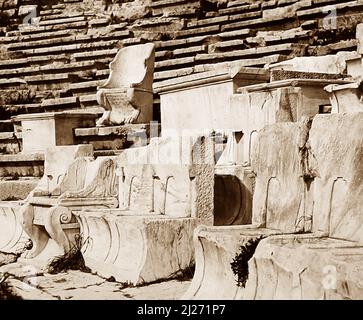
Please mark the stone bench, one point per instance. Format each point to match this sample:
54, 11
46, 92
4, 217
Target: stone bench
159, 207
73, 180
307, 206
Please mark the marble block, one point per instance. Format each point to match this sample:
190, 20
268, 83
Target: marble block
346, 98
199, 103
280, 101
136, 249
42, 130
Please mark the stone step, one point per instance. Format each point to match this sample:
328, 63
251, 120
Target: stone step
176, 53
206, 22
71, 48
12, 190
241, 8
79, 56
71, 39
86, 86
252, 62
58, 14
240, 34
12, 83
88, 99
50, 12
245, 16
12, 63
65, 20
8, 111
17, 36
51, 68
287, 48
174, 62
34, 60
59, 104
256, 23
25, 29
181, 43
323, 11
257, 62
162, 75
22, 165
197, 31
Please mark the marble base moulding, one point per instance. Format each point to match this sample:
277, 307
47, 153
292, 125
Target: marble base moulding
136, 249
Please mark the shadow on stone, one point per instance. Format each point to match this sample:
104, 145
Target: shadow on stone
6, 293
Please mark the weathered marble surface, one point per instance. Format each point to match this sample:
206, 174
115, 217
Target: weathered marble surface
280, 192
13, 166
332, 64
127, 95
12, 236
16, 189
166, 189
215, 249
136, 249
171, 176
281, 101
336, 143
303, 268
200, 103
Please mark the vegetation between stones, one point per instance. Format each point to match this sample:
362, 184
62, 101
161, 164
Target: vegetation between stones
239, 264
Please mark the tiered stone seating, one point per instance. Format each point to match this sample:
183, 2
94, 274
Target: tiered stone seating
222, 34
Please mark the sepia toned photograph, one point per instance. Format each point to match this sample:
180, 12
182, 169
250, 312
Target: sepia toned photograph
181, 150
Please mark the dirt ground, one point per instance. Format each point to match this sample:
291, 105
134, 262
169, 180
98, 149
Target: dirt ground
21, 281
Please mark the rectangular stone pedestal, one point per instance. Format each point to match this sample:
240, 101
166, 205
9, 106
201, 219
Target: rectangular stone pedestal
200, 102
42, 130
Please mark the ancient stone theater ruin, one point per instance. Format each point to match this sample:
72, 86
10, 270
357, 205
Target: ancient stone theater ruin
174, 149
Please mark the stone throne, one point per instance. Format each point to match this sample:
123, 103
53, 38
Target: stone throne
127, 95
73, 180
